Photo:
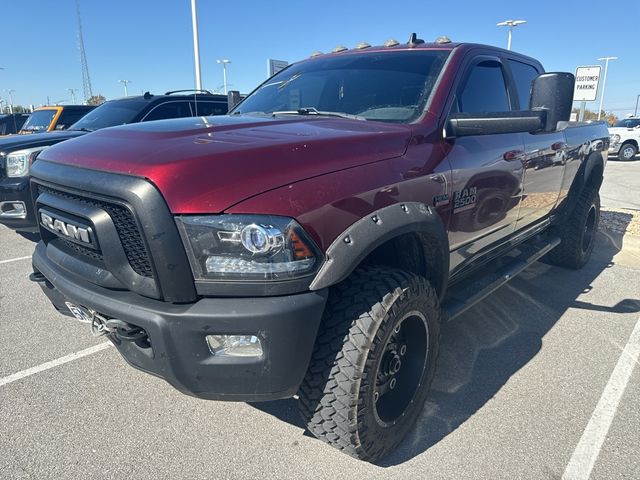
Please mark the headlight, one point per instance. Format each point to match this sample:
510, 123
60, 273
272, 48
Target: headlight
247, 247
18, 162
615, 138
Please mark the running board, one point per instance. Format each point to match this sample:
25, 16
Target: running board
465, 295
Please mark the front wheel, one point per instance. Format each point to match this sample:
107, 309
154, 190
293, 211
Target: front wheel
373, 362
627, 152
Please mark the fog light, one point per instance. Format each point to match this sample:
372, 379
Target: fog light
234, 345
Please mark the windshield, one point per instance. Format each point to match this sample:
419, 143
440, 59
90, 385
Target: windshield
39, 121
110, 114
628, 123
384, 86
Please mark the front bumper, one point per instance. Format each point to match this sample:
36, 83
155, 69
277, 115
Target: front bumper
286, 325
614, 149
17, 190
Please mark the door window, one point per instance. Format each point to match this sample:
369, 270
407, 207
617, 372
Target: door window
485, 90
523, 76
169, 110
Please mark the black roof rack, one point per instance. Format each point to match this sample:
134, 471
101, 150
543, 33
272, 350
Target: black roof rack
207, 92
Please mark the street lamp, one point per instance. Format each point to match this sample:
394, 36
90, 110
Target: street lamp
72, 91
125, 83
510, 24
604, 80
196, 44
224, 63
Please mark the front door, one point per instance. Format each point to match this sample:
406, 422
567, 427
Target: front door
486, 170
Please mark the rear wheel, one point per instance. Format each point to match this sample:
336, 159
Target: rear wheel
578, 233
627, 152
373, 362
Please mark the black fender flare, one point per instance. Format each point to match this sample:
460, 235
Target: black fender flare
593, 160
350, 248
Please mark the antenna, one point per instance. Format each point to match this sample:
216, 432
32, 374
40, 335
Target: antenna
86, 80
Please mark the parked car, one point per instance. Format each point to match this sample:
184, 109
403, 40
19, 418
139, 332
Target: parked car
19, 152
48, 119
309, 242
12, 123
625, 138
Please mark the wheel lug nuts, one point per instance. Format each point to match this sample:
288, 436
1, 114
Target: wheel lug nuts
392, 383
403, 350
397, 329
376, 395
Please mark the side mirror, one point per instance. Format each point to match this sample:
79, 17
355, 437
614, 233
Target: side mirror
553, 94
550, 102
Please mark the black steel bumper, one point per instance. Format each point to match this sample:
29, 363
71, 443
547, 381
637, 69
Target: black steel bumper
17, 190
286, 326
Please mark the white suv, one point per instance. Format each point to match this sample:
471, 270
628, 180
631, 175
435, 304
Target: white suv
625, 138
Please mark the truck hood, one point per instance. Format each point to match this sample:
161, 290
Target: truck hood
18, 142
207, 164
624, 130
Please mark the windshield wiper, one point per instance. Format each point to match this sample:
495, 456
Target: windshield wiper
81, 129
314, 111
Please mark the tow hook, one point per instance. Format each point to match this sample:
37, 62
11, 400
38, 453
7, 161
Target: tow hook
117, 330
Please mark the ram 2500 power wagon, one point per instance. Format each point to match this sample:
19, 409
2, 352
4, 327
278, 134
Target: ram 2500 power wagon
312, 241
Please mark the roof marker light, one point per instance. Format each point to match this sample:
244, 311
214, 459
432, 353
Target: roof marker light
362, 45
391, 42
339, 48
317, 53
443, 39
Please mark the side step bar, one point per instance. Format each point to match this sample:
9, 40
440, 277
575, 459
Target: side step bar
464, 296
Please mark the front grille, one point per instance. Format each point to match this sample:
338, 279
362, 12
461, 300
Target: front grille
125, 225
77, 248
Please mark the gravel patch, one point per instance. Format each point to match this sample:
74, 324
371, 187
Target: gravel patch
620, 220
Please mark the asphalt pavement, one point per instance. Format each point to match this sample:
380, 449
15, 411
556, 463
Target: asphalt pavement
535, 382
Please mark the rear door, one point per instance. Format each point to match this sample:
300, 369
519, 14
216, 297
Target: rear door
545, 155
205, 108
486, 169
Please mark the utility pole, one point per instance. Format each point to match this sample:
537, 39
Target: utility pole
224, 63
604, 81
86, 80
125, 83
72, 91
511, 24
196, 44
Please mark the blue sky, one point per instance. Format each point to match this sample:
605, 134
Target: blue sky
150, 41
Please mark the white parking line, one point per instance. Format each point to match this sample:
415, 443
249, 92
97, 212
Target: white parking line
14, 259
53, 363
586, 453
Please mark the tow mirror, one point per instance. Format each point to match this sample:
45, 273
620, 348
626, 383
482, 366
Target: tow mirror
550, 102
553, 94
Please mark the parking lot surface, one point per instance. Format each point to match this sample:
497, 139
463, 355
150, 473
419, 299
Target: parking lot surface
535, 382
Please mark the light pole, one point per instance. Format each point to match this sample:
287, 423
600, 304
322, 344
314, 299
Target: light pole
196, 44
72, 91
635, 114
604, 81
125, 83
510, 24
11, 91
224, 63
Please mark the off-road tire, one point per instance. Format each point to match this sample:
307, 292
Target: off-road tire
577, 234
627, 152
336, 398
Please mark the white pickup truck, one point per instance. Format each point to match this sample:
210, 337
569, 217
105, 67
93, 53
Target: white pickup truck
625, 138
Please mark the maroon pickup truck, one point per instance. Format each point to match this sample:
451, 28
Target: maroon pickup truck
313, 241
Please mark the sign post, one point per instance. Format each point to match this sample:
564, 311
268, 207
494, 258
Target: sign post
274, 66
586, 86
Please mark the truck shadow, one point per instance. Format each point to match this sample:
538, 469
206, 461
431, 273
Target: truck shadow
483, 348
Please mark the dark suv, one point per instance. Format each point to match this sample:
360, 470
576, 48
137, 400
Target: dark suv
17, 153
12, 123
